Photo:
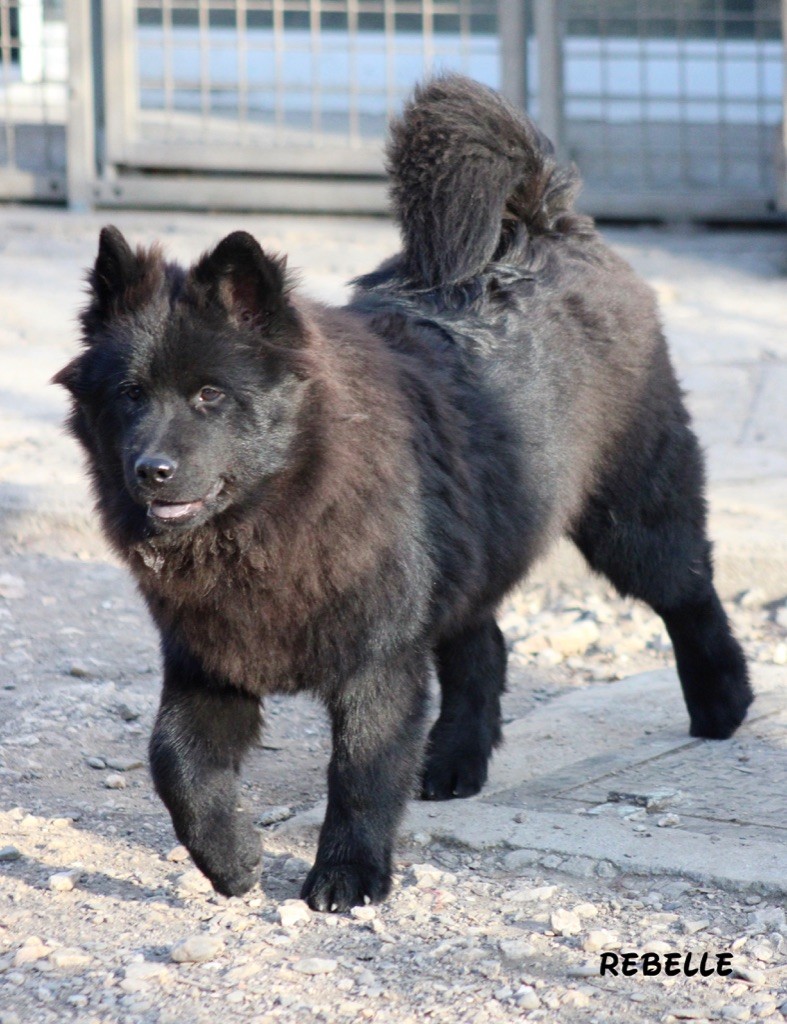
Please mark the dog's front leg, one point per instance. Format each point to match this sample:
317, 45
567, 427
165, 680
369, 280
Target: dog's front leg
203, 729
377, 721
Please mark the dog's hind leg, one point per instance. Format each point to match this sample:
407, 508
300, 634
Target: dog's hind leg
202, 731
645, 530
471, 667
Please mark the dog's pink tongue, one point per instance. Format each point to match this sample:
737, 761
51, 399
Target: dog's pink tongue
161, 511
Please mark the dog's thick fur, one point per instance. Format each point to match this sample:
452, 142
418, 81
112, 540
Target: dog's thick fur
333, 500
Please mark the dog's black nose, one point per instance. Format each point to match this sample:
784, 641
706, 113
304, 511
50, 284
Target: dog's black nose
154, 469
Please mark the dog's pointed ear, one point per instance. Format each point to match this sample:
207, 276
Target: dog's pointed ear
70, 377
119, 281
116, 267
250, 285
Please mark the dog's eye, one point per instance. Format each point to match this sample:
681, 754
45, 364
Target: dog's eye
209, 396
131, 391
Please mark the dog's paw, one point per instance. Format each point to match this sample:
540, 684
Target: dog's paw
716, 711
445, 777
231, 862
337, 887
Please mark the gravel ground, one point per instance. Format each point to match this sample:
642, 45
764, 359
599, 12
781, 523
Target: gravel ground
104, 920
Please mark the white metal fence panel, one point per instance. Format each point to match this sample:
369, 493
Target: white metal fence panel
278, 85
33, 72
681, 100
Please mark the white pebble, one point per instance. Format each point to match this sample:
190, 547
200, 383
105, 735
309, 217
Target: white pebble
314, 965
293, 912
196, 949
63, 881
564, 922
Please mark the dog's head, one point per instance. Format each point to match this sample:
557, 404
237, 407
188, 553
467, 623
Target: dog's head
189, 391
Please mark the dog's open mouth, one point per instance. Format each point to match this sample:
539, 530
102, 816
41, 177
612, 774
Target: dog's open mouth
182, 510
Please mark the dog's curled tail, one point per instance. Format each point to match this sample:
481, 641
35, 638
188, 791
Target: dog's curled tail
468, 175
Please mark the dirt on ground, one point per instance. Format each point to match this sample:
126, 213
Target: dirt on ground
103, 919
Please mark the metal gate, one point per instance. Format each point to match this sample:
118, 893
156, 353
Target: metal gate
272, 102
671, 109
32, 100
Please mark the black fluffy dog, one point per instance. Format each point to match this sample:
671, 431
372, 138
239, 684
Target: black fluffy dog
335, 499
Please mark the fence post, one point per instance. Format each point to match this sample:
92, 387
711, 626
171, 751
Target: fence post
781, 164
512, 30
80, 125
550, 71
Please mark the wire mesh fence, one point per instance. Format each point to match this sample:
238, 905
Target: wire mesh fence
681, 95
33, 72
673, 108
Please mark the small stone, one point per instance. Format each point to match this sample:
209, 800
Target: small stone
503, 993
178, 854
314, 965
575, 998
242, 972
516, 949
783, 1009
79, 670
574, 639
115, 781
762, 951
363, 913
751, 598
66, 957
606, 869
31, 950
96, 762
124, 764
126, 713
668, 821
732, 1012
536, 894
9, 853
750, 974
779, 656
138, 977
586, 910
273, 815
63, 881
548, 658
768, 919
659, 800
192, 882
583, 971
427, 876
692, 927
196, 949
293, 912
526, 998
516, 860
565, 922
600, 938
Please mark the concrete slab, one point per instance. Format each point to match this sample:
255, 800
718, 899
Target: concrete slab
569, 787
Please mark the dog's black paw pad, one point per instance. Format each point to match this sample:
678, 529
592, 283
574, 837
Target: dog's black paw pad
337, 887
445, 779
